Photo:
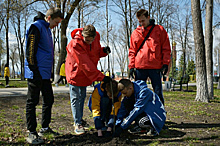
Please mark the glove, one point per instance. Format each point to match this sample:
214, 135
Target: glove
132, 73
118, 131
164, 69
106, 50
108, 134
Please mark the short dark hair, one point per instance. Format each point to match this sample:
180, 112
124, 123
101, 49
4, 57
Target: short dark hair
124, 83
142, 12
89, 31
54, 13
114, 87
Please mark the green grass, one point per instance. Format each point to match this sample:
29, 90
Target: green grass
13, 83
176, 101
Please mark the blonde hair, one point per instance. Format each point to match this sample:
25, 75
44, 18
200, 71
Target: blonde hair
89, 31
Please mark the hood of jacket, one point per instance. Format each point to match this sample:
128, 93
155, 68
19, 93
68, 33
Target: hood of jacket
40, 16
77, 33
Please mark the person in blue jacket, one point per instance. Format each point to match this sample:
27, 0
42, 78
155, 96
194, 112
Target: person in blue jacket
100, 104
141, 105
39, 55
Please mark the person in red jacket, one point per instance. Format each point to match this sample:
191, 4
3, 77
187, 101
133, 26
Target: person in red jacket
153, 57
83, 54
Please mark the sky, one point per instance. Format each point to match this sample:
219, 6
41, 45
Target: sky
115, 21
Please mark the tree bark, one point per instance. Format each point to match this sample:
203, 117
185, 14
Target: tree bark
201, 78
208, 46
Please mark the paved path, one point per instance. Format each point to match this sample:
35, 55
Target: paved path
5, 92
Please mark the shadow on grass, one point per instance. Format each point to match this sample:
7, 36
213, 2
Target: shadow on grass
192, 125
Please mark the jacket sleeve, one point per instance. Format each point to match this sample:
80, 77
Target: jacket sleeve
31, 50
96, 111
132, 52
84, 62
101, 54
6, 72
117, 105
139, 106
122, 112
165, 46
96, 103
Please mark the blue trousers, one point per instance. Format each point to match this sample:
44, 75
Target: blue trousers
155, 76
77, 99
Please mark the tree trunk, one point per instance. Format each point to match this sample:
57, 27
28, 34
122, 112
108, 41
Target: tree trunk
64, 24
62, 54
7, 31
208, 46
201, 80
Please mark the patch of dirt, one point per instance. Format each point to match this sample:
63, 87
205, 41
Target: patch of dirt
188, 123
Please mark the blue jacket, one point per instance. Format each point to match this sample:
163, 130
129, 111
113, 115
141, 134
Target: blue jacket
145, 101
45, 51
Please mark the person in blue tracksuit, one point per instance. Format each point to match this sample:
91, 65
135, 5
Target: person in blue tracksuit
141, 105
100, 104
39, 55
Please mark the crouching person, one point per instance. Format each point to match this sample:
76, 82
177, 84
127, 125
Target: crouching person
100, 104
141, 105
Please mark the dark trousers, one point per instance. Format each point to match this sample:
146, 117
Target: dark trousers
61, 79
34, 88
7, 80
155, 76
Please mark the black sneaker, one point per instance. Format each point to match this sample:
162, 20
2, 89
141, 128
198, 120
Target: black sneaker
48, 131
34, 138
85, 125
137, 129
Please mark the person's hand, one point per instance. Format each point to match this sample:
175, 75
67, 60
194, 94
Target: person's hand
132, 73
164, 69
118, 131
107, 50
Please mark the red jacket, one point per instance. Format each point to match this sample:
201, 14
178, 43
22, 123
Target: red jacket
155, 52
82, 59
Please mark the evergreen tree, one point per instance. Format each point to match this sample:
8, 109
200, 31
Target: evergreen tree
191, 68
180, 70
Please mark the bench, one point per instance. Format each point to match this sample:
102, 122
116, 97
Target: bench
183, 80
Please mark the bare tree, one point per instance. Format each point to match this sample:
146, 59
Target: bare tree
14, 57
68, 7
119, 42
2, 52
19, 21
183, 20
201, 80
126, 15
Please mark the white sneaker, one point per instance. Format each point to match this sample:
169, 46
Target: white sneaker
56, 85
34, 138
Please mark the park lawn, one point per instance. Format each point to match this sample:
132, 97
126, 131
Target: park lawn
13, 83
189, 123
